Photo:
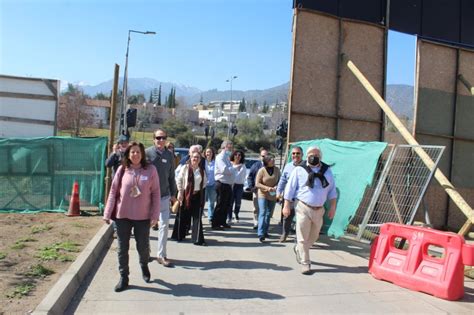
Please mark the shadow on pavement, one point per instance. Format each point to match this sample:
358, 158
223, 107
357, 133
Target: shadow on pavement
228, 264
331, 268
196, 290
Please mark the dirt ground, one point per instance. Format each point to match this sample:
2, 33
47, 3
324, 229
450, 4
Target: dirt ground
35, 249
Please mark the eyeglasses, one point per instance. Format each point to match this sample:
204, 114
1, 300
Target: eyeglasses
159, 138
295, 153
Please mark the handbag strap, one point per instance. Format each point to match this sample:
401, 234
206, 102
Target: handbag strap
117, 195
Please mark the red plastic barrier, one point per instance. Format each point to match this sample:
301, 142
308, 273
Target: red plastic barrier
413, 267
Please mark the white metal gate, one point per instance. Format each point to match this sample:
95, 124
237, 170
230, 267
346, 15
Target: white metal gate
400, 183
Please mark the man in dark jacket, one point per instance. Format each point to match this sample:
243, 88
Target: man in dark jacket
163, 160
115, 159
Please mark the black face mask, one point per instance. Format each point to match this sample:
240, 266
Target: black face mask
313, 160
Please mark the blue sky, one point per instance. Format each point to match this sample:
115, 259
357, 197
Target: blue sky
200, 43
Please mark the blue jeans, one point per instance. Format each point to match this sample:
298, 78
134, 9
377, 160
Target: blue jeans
265, 209
211, 195
237, 192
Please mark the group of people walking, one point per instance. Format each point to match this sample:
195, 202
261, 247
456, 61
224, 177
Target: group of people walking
147, 183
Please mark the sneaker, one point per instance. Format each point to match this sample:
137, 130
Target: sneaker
261, 239
229, 221
297, 254
163, 261
255, 227
306, 269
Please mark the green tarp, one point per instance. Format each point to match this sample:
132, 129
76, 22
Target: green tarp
353, 165
37, 174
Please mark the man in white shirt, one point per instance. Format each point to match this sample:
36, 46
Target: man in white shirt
224, 174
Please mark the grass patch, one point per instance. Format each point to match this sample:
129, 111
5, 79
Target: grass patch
20, 244
21, 290
17, 245
40, 228
27, 239
56, 251
39, 271
3, 255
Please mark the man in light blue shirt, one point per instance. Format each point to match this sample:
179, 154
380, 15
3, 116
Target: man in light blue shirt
311, 186
224, 174
296, 159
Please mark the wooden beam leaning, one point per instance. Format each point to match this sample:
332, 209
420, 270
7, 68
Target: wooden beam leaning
113, 110
466, 84
440, 177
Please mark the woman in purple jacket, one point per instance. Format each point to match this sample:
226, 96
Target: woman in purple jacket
133, 202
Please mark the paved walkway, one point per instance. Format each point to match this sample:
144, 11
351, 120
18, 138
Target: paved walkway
238, 274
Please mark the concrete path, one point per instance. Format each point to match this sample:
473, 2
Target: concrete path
238, 274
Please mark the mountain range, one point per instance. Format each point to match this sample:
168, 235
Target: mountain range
399, 96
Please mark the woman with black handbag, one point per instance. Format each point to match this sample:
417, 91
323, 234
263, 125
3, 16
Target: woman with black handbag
133, 202
191, 183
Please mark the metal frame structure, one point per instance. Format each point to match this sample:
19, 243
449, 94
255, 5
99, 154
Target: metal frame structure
401, 182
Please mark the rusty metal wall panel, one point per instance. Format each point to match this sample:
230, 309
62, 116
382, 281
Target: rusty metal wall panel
347, 113
444, 116
315, 64
364, 45
306, 127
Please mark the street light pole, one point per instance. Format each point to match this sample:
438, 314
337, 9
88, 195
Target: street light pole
231, 103
123, 120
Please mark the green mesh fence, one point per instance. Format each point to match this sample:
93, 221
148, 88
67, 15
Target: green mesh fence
37, 174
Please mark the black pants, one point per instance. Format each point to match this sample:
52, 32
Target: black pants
141, 231
286, 226
223, 204
183, 221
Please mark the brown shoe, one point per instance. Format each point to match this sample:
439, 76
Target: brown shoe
163, 261
282, 238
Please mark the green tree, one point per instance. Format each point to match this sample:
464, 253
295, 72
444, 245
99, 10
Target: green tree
159, 95
265, 107
242, 105
101, 96
254, 106
251, 135
174, 127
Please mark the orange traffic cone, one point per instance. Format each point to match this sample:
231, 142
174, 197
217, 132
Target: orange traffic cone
74, 207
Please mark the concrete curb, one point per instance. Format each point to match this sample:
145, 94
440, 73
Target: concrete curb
61, 294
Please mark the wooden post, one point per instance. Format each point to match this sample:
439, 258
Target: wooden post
113, 111
443, 181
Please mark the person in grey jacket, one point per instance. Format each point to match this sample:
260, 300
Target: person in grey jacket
163, 160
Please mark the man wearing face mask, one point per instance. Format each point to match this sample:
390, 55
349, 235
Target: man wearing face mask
311, 185
224, 174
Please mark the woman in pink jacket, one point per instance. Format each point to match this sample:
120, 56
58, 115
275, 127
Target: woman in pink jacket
133, 202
